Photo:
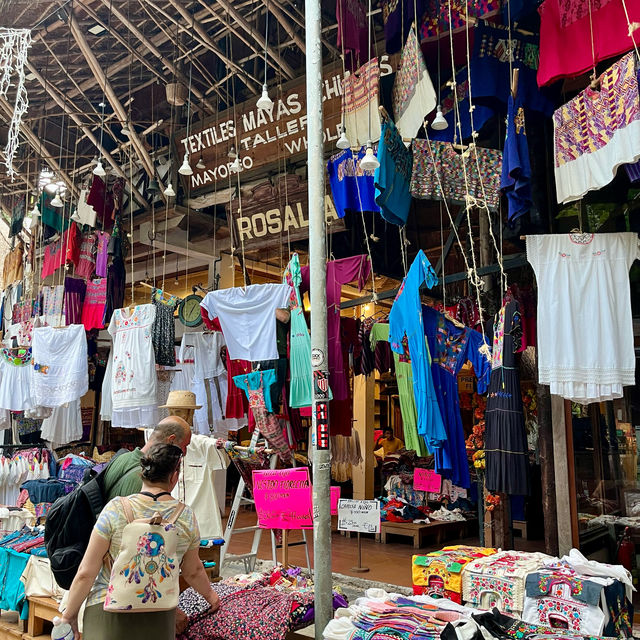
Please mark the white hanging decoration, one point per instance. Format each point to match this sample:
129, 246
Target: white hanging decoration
14, 47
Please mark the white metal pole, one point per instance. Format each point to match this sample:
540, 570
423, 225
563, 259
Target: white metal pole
318, 290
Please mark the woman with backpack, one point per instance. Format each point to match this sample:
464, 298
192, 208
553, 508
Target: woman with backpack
138, 549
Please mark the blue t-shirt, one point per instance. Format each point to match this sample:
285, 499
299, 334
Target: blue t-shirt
393, 177
351, 187
254, 381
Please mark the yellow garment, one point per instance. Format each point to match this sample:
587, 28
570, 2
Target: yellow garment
391, 446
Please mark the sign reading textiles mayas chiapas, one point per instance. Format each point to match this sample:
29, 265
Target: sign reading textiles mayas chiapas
271, 215
262, 137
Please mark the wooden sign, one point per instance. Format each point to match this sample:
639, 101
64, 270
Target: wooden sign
262, 138
275, 215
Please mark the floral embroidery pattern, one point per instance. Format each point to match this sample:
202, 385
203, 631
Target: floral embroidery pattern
450, 347
41, 368
17, 357
497, 356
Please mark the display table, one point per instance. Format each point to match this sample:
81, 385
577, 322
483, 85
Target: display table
440, 530
41, 610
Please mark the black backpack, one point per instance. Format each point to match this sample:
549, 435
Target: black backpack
69, 524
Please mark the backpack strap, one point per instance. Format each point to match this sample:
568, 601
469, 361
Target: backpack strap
128, 511
177, 512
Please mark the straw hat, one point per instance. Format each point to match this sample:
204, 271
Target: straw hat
181, 400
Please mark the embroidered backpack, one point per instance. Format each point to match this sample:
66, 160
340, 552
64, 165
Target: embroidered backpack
145, 574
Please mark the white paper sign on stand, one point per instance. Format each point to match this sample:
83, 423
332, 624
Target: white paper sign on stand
362, 516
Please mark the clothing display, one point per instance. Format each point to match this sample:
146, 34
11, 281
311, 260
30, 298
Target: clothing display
64, 250
87, 260
450, 348
17, 217
60, 370
439, 173
516, 167
413, 94
74, 293
506, 448
15, 379
84, 214
352, 188
405, 322
440, 17
392, 178
64, 425
248, 318
102, 255
164, 331
339, 272
351, 16
133, 378
597, 132
360, 103
592, 32
52, 305
94, 304
585, 332
13, 267
116, 280
196, 485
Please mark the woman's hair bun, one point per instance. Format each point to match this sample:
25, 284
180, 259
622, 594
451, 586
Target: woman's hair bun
161, 462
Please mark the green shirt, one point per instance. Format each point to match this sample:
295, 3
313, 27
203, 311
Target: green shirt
122, 477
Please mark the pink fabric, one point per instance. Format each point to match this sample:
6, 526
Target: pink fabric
65, 249
94, 304
87, 261
610, 37
339, 272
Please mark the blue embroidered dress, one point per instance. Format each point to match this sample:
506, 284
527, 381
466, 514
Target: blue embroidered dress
450, 349
405, 319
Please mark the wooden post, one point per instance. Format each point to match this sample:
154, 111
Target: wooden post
285, 548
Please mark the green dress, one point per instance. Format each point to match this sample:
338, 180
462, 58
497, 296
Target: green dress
404, 375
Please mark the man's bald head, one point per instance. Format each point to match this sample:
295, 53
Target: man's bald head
172, 430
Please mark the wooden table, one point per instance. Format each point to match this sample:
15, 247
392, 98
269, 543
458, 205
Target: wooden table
41, 610
440, 530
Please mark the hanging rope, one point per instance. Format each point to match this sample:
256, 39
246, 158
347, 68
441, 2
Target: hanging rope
632, 28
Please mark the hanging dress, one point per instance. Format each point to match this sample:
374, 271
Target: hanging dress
505, 441
450, 348
164, 330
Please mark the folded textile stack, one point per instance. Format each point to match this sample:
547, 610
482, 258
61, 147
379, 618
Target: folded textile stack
499, 580
439, 574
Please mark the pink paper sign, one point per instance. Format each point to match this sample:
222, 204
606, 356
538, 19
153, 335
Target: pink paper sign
335, 496
426, 480
283, 499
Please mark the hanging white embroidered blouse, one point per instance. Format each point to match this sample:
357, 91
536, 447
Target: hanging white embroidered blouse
585, 328
133, 376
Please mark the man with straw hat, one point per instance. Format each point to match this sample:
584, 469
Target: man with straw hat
182, 404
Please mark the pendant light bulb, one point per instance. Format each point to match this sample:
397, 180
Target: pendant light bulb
439, 123
35, 212
264, 101
169, 192
235, 165
201, 165
57, 201
369, 162
343, 141
232, 152
99, 170
185, 169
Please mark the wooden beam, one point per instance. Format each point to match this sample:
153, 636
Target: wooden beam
280, 63
86, 130
36, 144
252, 84
284, 23
101, 79
158, 54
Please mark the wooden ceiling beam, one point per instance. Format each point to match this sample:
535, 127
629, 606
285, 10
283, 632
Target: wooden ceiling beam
279, 63
192, 23
37, 145
101, 79
278, 13
148, 44
63, 104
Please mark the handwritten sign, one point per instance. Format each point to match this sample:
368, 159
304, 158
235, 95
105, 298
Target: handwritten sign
335, 496
283, 499
426, 480
359, 515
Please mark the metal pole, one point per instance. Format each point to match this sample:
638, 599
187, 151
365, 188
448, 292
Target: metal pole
318, 290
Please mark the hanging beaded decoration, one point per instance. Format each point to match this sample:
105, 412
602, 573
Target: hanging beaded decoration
14, 46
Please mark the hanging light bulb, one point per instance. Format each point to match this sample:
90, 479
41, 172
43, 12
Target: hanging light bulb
35, 213
153, 186
343, 141
185, 169
99, 169
439, 123
264, 101
232, 152
169, 192
369, 162
235, 165
201, 165
57, 201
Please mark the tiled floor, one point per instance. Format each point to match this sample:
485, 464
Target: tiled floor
389, 563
